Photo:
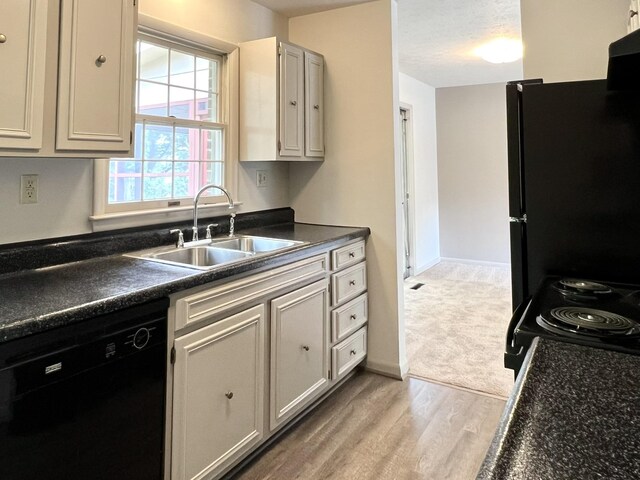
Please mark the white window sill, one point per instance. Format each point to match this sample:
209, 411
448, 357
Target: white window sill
113, 221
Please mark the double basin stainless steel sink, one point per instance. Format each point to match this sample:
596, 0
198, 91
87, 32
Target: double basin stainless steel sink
207, 254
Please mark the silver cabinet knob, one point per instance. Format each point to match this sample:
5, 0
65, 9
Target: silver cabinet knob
632, 13
317, 107
3, 38
353, 317
353, 352
293, 102
352, 283
100, 60
352, 254
305, 348
229, 395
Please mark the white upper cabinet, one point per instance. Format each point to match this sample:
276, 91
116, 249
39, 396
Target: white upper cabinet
67, 84
281, 102
95, 83
23, 36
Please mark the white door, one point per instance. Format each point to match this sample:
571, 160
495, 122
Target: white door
299, 349
23, 49
291, 100
218, 394
406, 194
95, 86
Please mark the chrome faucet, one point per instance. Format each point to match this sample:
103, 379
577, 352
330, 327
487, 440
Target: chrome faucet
195, 206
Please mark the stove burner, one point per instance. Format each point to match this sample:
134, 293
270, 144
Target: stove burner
584, 286
592, 319
580, 290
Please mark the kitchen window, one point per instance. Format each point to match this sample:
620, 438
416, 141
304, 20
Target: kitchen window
181, 131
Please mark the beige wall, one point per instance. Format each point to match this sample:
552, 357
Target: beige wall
472, 173
423, 171
66, 186
355, 185
568, 40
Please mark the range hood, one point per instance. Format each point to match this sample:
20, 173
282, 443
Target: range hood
624, 63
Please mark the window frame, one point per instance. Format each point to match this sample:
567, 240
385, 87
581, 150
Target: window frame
106, 216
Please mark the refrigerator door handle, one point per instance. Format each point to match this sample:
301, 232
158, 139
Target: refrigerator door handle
522, 219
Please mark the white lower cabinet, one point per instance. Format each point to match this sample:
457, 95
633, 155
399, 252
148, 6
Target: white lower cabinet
218, 394
299, 350
235, 379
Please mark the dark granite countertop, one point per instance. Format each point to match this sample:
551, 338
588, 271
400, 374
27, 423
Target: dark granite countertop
39, 299
574, 414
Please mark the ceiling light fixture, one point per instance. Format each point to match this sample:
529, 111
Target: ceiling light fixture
500, 50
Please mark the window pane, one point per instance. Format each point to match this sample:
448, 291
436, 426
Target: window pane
211, 145
154, 62
182, 69
137, 141
153, 99
206, 74
213, 172
206, 106
158, 178
186, 179
181, 103
158, 142
124, 181
187, 140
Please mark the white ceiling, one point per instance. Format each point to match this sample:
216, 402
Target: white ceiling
436, 37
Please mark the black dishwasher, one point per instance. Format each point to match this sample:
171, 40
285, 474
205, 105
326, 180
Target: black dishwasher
87, 400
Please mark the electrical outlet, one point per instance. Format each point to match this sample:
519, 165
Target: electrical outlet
261, 178
29, 189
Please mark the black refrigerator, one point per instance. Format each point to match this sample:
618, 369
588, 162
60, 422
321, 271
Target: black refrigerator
574, 183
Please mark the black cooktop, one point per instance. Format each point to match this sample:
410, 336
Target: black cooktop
586, 312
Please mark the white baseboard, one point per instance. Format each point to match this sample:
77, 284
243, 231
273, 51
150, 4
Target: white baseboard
475, 262
426, 266
392, 370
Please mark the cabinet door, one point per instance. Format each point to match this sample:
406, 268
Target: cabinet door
299, 350
95, 85
218, 394
313, 105
23, 25
291, 100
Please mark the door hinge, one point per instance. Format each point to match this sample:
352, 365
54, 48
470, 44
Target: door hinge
130, 137
173, 355
522, 219
279, 49
328, 374
279, 146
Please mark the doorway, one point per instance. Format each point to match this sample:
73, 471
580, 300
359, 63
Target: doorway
407, 194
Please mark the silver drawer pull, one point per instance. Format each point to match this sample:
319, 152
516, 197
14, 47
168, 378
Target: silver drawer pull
353, 317
352, 254
352, 283
353, 352
305, 348
293, 102
229, 395
3, 38
101, 60
317, 107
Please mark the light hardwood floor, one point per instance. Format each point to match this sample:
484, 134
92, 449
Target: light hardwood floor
378, 428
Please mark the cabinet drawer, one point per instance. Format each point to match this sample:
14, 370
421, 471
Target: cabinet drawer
348, 283
347, 255
348, 318
202, 306
346, 355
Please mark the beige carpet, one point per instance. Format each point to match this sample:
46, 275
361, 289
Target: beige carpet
456, 325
